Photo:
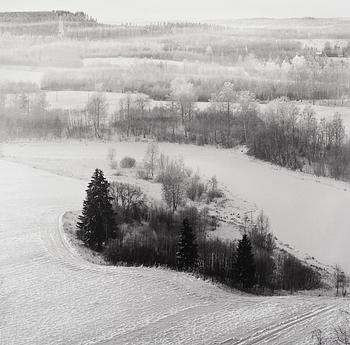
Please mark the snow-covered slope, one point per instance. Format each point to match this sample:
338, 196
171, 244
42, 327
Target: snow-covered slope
311, 214
50, 295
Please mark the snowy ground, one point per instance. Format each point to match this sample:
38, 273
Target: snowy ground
310, 214
20, 74
50, 295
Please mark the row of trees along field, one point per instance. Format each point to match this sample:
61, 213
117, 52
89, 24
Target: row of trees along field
22, 116
308, 77
118, 221
284, 133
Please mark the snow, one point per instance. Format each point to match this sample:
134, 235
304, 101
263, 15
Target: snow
308, 213
49, 294
20, 74
128, 62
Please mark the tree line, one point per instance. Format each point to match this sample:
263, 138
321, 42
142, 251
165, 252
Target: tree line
283, 133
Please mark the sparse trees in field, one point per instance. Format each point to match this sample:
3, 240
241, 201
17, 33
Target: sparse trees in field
187, 253
24, 104
151, 160
340, 279
246, 111
225, 98
184, 93
97, 110
96, 224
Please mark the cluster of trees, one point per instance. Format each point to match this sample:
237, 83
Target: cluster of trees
284, 133
308, 77
179, 184
22, 116
131, 30
295, 139
118, 221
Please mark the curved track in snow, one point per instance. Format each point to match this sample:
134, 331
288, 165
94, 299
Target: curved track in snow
50, 295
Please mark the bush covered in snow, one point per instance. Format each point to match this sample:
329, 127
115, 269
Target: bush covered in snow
128, 163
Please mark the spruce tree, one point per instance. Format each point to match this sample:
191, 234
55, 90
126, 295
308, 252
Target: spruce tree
96, 224
244, 263
187, 254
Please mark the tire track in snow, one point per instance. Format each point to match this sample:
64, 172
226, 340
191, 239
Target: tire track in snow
270, 333
52, 295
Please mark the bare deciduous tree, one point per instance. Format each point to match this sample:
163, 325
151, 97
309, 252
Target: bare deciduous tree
174, 185
151, 159
97, 111
128, 200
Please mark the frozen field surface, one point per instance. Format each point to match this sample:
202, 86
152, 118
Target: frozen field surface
50, 295
15, 75
309, 213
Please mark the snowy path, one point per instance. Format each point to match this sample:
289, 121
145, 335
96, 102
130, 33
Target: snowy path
49, 295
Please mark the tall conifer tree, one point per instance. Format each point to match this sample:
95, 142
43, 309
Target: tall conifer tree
96, 224
187, 254
244, 264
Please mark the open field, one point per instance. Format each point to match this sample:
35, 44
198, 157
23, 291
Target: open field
8, 74
64, 299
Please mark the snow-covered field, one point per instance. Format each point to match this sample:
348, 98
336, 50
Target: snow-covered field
129, 61
51, 295
20, 74
309, 213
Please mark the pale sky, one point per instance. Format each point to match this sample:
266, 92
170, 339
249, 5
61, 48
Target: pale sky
131, 10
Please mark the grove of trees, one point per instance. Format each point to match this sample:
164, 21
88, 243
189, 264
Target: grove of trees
119, 221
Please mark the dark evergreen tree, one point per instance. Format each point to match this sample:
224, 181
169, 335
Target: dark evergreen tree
187, 253
244, 263
96, 224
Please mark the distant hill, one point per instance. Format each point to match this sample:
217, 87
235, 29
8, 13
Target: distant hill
43, 16
43, 23
79, 25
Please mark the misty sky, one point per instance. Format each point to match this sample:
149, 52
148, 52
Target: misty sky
130, 10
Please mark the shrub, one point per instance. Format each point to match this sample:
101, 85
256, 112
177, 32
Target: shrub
128, 163
213, 191
214, 194
129, 203
143, 175
195, 188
